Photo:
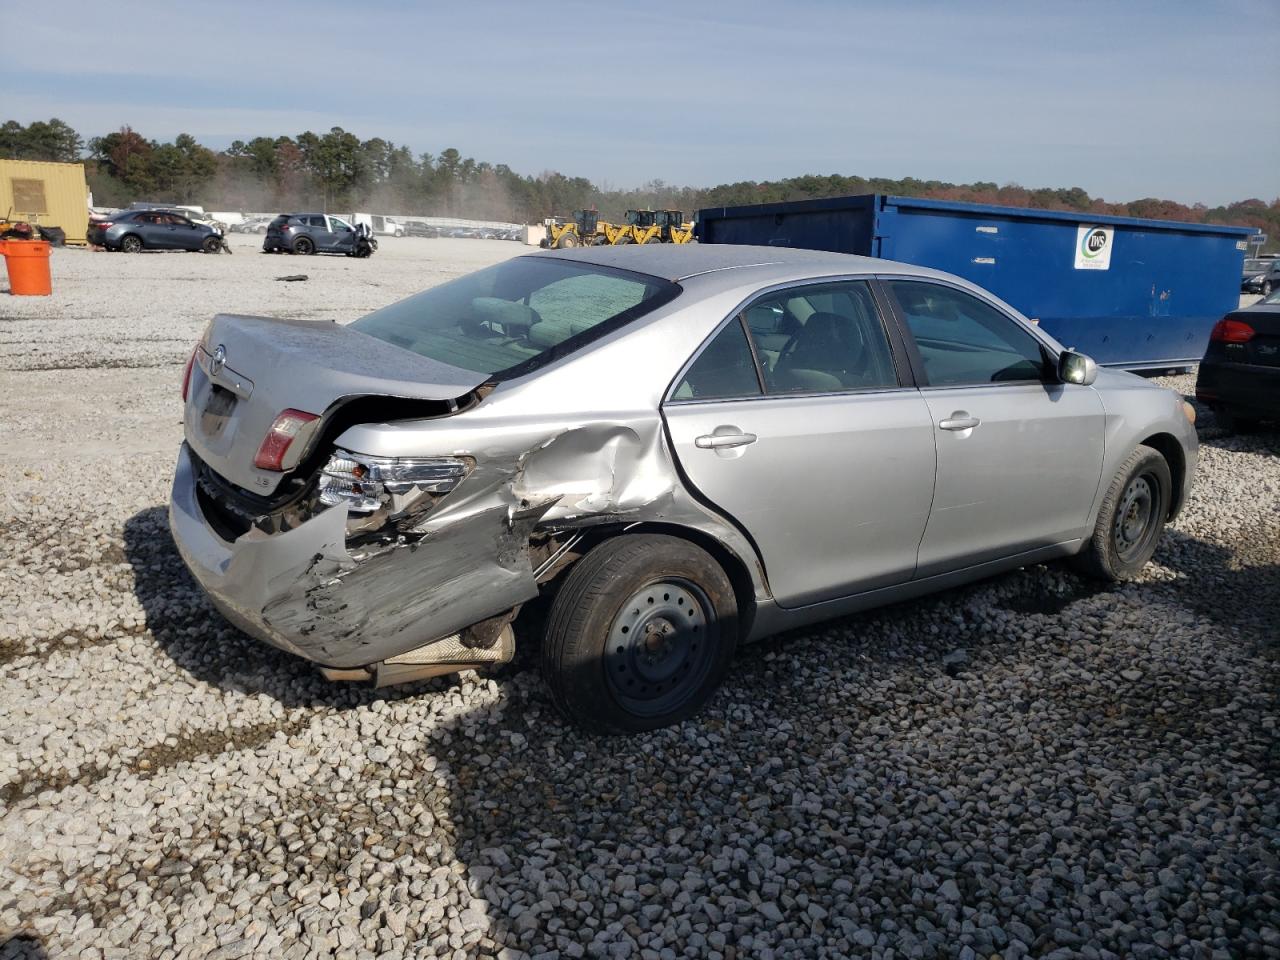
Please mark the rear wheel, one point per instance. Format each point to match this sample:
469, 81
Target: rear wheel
654, 240
304, 246
1131, 520
639, 635
623, 240
131, 244
567, 240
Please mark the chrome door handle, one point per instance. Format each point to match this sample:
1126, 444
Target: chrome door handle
717, 441
959, 421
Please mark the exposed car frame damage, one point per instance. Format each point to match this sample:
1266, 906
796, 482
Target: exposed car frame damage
456, 575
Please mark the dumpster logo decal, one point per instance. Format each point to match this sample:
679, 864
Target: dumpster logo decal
1093, 247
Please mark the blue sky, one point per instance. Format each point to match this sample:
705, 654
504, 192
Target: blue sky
1177, 99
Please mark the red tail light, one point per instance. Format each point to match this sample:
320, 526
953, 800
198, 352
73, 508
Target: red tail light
1232, 331
186, 374
283, 431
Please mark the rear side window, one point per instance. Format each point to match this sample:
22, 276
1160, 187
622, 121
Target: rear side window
511, 318
964, 341
829, 338
316, 222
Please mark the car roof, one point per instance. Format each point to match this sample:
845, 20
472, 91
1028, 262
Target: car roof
680, 261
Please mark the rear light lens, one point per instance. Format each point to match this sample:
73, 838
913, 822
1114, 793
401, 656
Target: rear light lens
186, 374
284, 430
366, 484
1232, 331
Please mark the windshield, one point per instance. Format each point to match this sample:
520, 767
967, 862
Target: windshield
516, 316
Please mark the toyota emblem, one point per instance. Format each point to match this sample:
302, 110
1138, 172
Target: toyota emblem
219, 360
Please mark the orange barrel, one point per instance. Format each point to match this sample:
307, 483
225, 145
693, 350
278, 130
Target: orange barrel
28, 263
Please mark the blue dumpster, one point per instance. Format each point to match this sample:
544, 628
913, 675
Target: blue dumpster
1139, 294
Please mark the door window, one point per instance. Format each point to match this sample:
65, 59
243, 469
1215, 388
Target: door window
339, 226
964, 341
823, 338
316, 222
724, 368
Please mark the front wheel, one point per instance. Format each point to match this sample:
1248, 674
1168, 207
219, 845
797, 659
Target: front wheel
212, 245
1131, 520
639, 635
567, 240
1266, 288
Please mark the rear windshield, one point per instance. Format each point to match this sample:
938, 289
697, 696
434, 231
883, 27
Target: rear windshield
516, 316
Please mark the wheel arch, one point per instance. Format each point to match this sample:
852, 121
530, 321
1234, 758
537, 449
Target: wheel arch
734, 567
1168, 447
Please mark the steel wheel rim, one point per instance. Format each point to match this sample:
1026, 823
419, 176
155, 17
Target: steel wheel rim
661, 647
1135, 516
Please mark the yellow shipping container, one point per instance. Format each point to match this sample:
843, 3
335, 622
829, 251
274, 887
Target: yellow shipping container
48, 194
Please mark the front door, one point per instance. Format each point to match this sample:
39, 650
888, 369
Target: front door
1019, 453
806, 436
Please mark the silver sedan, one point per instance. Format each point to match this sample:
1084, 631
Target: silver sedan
669, 450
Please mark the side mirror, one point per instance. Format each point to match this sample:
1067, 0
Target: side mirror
1076, 368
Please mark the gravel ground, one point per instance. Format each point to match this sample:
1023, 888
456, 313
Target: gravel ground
1096, 776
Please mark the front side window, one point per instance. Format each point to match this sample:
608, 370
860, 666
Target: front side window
964, 341
518, 315
339, 226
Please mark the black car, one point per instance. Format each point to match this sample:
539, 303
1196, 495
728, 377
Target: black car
1260, 276
416, 228
307, 233
133, 231
1240, 373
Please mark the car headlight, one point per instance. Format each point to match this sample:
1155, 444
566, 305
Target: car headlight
383, 488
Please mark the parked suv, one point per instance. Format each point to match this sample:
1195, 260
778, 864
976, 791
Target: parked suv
133, 231
308, 233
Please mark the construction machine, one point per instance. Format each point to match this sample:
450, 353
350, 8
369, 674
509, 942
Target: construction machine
642, 227
584, 230
672, 227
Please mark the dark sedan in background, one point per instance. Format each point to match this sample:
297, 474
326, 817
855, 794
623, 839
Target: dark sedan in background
1260, 276
1240, 373
133, 231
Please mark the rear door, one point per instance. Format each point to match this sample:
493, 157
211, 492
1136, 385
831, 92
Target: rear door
1019, 453
813, 440
155, 233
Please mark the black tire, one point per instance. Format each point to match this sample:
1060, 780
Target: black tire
610, 678
1131, 519
304, 246
211, 245
1266, 288
1232, 422
567, 240
654, 240
131, 244
624, 240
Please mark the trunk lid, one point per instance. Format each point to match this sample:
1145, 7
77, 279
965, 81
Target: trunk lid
250, 369
1263, 349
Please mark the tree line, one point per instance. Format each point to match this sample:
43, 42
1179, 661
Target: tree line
336, 170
